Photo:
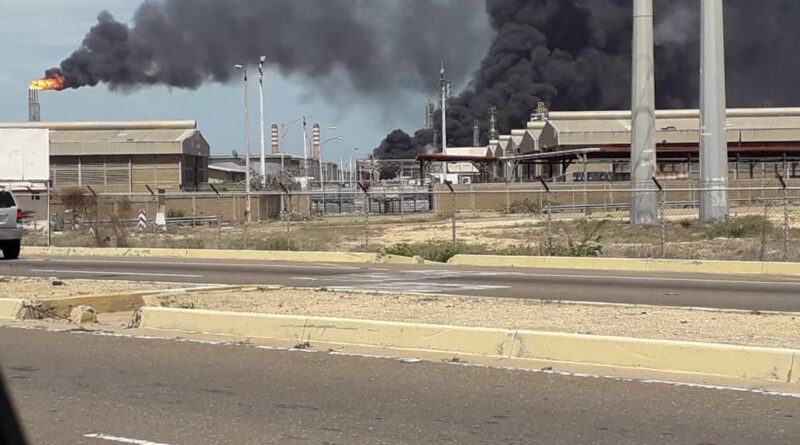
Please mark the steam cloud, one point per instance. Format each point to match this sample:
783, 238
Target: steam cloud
576, 55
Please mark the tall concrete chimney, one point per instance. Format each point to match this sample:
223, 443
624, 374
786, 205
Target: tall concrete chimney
34, 108
644, 203
275, 139
316, 142
713, 109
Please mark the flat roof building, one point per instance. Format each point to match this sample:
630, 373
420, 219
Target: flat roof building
125, 156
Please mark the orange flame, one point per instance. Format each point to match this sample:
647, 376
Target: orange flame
56, 83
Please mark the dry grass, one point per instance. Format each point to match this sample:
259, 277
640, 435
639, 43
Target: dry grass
485, 233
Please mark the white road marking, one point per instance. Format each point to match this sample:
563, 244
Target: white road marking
107, 272
109, 438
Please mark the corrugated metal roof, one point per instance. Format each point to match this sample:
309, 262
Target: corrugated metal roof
601, 132
120, 136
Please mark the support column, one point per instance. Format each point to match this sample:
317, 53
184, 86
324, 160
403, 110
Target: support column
644, 203
713, 109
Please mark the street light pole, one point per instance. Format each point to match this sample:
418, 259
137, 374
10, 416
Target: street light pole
305, 149
248, 207
263, 135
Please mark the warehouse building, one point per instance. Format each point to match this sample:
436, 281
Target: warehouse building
126, 156
595, 147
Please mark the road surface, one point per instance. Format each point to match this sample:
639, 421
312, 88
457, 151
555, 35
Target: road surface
74, 388
708, 291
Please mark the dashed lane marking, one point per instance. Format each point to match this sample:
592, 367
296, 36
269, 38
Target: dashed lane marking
106, 437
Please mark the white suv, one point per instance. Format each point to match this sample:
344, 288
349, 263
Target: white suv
10, 225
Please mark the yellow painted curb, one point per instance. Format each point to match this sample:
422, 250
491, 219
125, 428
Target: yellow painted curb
121, 302
743, 362
259, 255
762, 364
451, 339
10, 308
632, 265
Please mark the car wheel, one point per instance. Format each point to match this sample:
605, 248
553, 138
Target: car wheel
11, 250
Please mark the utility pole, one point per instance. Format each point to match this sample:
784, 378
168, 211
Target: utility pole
248, 207
263, 135
445, 84
713, 115
644, 205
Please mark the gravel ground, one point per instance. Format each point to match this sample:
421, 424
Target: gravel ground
42, 288
770, 330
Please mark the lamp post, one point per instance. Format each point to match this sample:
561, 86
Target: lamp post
321, 148
261, 63
284, 131
248, 207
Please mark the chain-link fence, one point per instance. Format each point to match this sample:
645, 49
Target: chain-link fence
505, 219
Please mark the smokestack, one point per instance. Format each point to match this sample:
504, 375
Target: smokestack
316, 140
476, 134
644, 204
713, 109
34, 108
276, 140
493, 134
445, 84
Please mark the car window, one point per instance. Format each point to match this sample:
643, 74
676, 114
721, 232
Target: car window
6, 200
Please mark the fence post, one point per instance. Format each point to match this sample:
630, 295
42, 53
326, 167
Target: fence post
96, 212
508, 198
287, 214
786, 225
449, 185
219, 217
663, 215
548, 211
367, 209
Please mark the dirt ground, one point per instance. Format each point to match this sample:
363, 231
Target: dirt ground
771, 330
41, 288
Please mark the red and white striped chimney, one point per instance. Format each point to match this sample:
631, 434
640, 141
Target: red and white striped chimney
316, 142
276, 143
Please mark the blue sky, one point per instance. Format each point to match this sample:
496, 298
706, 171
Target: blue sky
38, 34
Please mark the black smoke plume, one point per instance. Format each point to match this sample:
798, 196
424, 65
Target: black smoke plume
576, 55
374, 47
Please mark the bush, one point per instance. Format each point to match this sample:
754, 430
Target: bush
743, 227
525, 206
590, 244
402, 249
439, 252
175, 213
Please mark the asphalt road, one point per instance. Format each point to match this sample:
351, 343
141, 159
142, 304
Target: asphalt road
75, 388
709, 291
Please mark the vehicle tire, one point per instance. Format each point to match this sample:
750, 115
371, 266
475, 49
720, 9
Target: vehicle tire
11, 250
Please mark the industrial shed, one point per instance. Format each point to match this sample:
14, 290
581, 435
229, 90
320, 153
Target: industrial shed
126, 156
761, 142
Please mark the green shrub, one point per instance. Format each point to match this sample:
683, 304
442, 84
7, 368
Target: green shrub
402, 249
175, 213
440, 251
743, 227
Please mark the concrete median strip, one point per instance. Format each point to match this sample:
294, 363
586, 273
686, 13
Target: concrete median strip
631, 265
11, 308
119, 302
753, 363
257, 255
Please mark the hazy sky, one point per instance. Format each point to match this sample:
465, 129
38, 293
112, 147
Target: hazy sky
38, 34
